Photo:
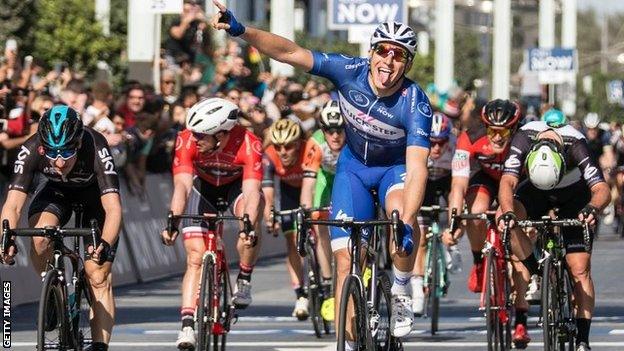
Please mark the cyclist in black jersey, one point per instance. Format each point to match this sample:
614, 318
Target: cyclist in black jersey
79, 169
560, 174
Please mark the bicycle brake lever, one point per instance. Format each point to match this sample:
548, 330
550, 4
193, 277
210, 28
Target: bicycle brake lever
397, 231
301, 233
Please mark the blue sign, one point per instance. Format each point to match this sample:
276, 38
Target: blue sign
552, 60
343, 14
615, 92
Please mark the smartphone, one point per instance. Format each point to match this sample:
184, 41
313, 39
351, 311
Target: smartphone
28, 61
11, 44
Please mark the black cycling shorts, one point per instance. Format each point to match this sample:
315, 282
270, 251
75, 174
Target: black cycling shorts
204, 198
289, 199
59, 201
569, 200
481, 182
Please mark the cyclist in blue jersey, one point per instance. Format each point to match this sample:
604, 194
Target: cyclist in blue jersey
388, 124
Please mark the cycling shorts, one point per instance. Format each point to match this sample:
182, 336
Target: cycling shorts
203, 199
569, 200
434, 190
351, 194
59, 201
481, 182
289, 200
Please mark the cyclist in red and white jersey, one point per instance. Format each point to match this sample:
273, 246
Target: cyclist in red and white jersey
477, 168
215, 158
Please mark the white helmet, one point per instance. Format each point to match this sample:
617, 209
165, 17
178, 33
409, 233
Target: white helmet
211, 116
331, 116
397, 33
545, 164
592, 120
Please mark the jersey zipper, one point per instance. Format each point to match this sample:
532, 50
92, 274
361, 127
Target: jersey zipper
367, 129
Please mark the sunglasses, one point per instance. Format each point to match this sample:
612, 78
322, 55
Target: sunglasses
287, 147
333, 130
503, 133
439, 143
398, 54
53, 154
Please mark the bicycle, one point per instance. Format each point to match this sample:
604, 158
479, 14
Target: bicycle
306, 248
557, 311
435, 280
496, 291
369, 293
214, 312
63, 316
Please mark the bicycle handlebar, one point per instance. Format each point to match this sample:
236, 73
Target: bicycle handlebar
549, 222
213, 218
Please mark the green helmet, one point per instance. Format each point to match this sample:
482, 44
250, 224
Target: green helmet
545, 164
554, 118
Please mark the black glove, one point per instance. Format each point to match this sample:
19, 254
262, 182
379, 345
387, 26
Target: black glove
106, 251
589, 210
507, 217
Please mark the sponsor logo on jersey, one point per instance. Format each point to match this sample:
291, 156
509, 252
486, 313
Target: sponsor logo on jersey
424, 108
359, 98
107, 161
590, 172
513, 162
421, 132
18, 166
368, 125
355, 65
342, 216
384, 112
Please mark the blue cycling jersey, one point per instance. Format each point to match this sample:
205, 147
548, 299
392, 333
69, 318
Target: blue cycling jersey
379, 128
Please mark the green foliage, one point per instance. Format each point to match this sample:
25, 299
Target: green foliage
422, 70
16, 19
468, 65
597, 100
68, 32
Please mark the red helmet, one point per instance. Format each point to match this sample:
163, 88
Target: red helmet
501, 113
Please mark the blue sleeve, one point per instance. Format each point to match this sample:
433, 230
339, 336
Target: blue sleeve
336, 67
417, 122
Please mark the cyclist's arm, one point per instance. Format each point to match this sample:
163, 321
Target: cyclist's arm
415, 182
279, 48
311, 165
600, 195
112, 222
182, 186
459, 186
268, 186
307, 192
269, 192
506, 188
12, 207
251, 197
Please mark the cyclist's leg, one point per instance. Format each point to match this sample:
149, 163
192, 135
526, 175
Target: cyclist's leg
49, 208
248, 254
322, 198
350, 198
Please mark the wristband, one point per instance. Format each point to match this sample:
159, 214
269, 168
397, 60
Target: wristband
236, 28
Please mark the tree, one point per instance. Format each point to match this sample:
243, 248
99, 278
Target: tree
468, 65
16, 19
68, 32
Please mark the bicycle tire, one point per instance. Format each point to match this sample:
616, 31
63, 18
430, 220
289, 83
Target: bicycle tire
382, 337
205, 305
549, 306
59, 336
314, 286
567, 314
493, 323
434, 286
352, 291
81, 328
219, 341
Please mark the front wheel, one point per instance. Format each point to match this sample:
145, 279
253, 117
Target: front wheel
314, 290
434, 285
382, 310
352, 303
80, 309
205, 306
52, 324
494, 307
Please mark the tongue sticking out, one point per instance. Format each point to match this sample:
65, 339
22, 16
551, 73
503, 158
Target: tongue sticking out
383, 77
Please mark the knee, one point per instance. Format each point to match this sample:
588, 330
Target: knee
580, 273
99, 278
194, 260
40, 245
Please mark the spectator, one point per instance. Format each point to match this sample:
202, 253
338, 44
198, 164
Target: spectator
186, 33
256, 121
188, 97
168, 86
133, 104
140, 140
99, 110
39, 106
74, 95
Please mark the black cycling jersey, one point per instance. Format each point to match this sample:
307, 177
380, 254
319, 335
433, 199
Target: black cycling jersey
579, 163
94, 165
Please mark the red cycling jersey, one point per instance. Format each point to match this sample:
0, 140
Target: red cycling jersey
288, 175
474, 145
242, 155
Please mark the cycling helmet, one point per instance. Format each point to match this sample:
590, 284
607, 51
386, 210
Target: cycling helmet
501, 113
440, 127
545, 164
396, 33
211, 116
284, 131
331, 116
60, 128
554, 118
592, 120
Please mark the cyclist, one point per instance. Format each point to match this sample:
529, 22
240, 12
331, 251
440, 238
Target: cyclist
438, 184
319, 167
388, 123
284, 158
482, 147
79, 168
215, 158
561, 174
598, 140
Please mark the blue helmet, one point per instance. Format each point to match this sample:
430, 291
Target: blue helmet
440, 127
554, 118
60, 128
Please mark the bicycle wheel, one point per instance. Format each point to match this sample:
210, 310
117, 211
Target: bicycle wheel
205, 305
434, 286
493, 323
314, 290
568, 335
550, 308
380, 315
352, 299
52, 323
80, 311
224, 312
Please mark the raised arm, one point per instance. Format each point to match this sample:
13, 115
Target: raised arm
272, 45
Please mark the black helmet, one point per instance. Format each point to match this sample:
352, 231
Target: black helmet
60, 128
501, 113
